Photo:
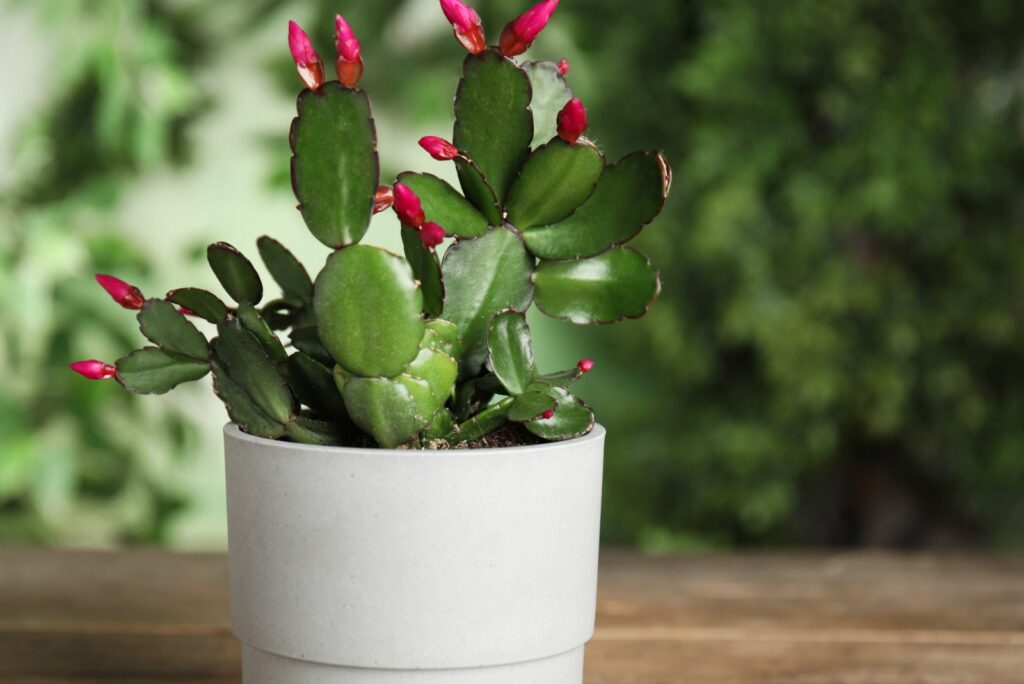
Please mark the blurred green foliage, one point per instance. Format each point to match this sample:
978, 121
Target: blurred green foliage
837, 355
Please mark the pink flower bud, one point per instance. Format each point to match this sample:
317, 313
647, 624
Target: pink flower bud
383, 199
438, 148
563, 66
520, 33
572, 121
585, 366
408, 207
93, 369
349, 62
431, 235
548, 415
187, 312
469, 30
307, 61
128, 296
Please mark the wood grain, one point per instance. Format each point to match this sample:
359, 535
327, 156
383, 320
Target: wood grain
151, 616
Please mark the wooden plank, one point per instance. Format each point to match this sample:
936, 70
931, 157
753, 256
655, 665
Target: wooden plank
150, 616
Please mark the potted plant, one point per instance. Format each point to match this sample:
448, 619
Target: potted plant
409, 498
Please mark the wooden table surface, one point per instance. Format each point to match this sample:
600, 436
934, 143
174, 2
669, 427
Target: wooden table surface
152, 616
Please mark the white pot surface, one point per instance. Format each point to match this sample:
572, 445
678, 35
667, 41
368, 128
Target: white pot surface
351, 566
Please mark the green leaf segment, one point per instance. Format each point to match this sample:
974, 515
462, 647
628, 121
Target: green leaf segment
381, 350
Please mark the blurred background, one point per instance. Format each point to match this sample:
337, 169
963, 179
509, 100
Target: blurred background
837, 358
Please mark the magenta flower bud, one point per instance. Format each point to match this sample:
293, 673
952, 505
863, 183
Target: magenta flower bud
431, 235
563, 66
469, 30
128, 296
585, 366
93, 369
408, 207
548, 415
520, 33
187, 312
438, 148
349, 62
572, 121
307, 61
383, 199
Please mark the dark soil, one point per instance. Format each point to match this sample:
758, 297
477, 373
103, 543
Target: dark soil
509, 436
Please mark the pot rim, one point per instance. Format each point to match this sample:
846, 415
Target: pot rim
232, 431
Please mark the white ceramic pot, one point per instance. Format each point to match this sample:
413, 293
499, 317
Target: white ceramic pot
360, 566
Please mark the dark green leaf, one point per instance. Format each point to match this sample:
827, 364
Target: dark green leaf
493, 123
477, 190
246, 362
154, 371
368, 310
235, 273
483, 276
620, 283
510, 351
308, 340
242, 410
165, 326
558, 178
427, 269
313, 385
566, 378
628, 196
204, 304
530, 405
550, 93
287, 271
572, 417
254, 323
335, 170
444, 205
310, 431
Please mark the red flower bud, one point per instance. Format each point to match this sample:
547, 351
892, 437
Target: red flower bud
349, 62
431, 235
93, 369
548, 415
128, 296
408, 207
438, 148
563, 67
585, 366
187, 312
307, 61
572, 121
469, 30
383, 199
520, 33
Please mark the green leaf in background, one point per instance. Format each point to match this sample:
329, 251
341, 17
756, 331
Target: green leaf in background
252, 321
246, 362
313, 385
557, 178
444, 205
204, 304
307, 339
478, 190
242, 409
628, 196
493, 123
368, 310
165, 326
335, 169
572, 417
236, 274
427, 269
483, 276
391, 410
550, 93
154, 371
530, 405
510, 351
305, 430
620, 283
287, 271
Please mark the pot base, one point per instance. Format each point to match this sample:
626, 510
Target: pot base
261, 667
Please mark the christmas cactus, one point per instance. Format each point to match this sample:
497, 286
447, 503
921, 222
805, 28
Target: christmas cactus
418, 351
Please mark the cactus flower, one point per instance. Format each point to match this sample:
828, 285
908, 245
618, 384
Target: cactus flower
548, 415
431, 235
469, 30
439, 148
520, 33
585, 366
349, 61
563, 66
383, 199
307, 61
128, 296
408, 207
93, 369
572, 121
